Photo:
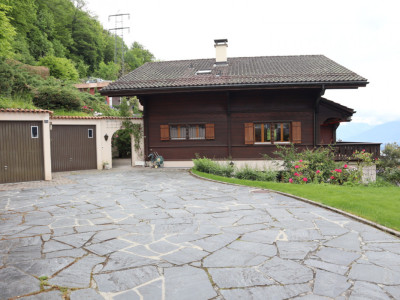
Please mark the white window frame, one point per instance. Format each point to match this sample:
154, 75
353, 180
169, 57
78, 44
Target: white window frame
90, 130
37, 132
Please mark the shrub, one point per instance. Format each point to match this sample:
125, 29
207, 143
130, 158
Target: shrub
392, 175
389, 163
249, 173
61, 68
53, 97
207, 165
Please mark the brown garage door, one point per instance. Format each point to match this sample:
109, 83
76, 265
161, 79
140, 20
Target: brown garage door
73, 147
21, 151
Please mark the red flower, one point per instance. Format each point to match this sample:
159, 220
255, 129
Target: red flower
296, 167
296, 174
300, 160
339, 170
305, 179
290, 180
363, 150
345, 166
318, 171
332, 177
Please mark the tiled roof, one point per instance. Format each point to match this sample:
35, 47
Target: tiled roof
22, 110
93, 117
240, 71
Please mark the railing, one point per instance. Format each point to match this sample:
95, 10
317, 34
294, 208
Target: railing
344, 150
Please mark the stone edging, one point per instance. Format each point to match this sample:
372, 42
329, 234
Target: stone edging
357, 218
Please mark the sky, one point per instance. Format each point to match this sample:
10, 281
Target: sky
363, 36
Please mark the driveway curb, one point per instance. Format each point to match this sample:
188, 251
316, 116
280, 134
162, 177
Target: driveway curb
357, 218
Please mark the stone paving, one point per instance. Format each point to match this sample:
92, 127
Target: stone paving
163, 234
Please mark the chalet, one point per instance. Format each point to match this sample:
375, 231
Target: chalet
238, 108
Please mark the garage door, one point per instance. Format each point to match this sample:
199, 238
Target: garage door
73, 147
21, 151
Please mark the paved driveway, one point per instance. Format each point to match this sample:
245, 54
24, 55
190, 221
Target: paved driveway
163, 234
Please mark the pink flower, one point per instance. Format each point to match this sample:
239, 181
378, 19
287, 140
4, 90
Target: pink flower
290, 180
296, 174
116, 135
318, 171
345, 166
296, 167
300, 160
332, 177
339, 170
305, 179
363, 150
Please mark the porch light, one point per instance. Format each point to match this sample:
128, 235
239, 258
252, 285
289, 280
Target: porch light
106, 137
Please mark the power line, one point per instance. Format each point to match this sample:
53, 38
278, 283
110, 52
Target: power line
119, 31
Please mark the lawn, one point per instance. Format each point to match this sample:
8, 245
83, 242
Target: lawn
378, 204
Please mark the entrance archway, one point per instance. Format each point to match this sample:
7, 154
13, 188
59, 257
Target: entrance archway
121, 147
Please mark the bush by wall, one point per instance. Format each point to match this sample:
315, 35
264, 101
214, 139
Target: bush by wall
53, 97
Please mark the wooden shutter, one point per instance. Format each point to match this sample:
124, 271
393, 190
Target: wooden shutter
210, 132
164, 130
296, 132
248, 133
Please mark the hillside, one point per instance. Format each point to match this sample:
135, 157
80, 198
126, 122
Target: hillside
361, 132
63, 32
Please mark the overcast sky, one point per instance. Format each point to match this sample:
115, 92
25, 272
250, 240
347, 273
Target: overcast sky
363, 36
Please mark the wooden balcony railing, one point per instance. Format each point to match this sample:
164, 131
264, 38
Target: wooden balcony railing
344, 150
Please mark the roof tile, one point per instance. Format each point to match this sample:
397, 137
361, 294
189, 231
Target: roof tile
238, 71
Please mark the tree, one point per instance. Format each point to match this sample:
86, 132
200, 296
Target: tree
60, 68
7, 32
108, 71
136, 56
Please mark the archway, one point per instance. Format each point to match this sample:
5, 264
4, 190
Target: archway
121, 147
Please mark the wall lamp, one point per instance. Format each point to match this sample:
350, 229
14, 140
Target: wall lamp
106, 137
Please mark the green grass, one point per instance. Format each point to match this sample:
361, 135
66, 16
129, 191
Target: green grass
376, 203
17, 102
61, 112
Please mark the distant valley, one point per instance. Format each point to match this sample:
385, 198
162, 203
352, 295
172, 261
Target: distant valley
362, 132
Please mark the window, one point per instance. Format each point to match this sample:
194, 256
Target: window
177, 132
90, 133
197, 132
281, 132
35, 132
262, 133
273, 132
187, 132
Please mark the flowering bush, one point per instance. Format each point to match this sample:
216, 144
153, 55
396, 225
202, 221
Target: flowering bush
319, 166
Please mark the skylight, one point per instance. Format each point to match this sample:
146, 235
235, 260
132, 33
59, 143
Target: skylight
200, 72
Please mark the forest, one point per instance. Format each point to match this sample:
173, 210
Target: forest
67, 39
37, 32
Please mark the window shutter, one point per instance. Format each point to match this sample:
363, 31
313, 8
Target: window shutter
210, 132
296, 132
248, 133
164, 130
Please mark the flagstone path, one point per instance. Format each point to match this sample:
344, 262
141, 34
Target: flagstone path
163, 234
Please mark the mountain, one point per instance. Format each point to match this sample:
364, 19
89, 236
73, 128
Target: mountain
361, 132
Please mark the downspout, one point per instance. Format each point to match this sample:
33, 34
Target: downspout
316, 111
229, 125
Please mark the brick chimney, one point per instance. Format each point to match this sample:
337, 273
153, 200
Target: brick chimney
220, 50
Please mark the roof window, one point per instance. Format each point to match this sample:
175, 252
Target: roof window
201, 72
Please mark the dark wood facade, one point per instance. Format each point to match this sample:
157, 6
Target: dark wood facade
229, 111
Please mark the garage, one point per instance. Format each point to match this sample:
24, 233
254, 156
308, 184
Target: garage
73, 147
21, 151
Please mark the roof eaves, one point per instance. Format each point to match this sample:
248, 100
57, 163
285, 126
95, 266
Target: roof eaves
328, 85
